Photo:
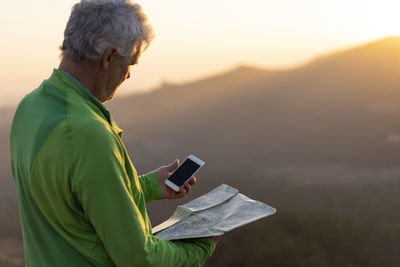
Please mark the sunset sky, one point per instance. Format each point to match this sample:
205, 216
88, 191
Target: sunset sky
196, 38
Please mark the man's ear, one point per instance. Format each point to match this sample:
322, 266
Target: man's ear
108, 54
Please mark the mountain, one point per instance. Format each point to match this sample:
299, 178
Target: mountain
333, 122
341, 108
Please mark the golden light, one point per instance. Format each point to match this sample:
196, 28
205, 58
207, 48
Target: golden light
380, 18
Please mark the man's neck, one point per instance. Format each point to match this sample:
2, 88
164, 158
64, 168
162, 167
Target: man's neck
85, 74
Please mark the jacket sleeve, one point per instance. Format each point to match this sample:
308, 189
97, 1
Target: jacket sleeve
114, 205
150, 186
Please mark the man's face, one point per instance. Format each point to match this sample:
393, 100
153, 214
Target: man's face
120, 71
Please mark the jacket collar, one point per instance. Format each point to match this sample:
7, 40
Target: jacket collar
60, 76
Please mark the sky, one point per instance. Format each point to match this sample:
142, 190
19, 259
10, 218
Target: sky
195, 39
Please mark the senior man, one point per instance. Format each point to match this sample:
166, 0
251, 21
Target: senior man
81, 201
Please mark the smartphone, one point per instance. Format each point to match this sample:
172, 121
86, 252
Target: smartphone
184, 172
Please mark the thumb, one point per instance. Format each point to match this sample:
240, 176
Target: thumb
172, 167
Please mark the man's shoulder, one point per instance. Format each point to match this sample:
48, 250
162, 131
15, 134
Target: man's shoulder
38, 113
83, 120
89, 128
45, 97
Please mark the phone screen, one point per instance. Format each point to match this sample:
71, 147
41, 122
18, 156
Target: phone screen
184, 172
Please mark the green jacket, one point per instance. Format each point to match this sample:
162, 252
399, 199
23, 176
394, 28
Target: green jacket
81, 201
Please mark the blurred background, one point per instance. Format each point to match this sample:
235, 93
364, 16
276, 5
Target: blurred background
294, 103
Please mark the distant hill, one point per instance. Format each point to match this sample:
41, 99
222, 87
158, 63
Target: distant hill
9, 222
340, 108
334, 121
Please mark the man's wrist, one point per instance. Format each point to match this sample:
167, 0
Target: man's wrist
154, 189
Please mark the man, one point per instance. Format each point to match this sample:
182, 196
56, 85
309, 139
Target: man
81, 201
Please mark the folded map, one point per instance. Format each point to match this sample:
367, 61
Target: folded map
221, 210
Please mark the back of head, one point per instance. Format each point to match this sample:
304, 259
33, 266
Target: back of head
95, 25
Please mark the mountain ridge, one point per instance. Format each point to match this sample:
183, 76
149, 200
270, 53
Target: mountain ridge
234, 79
321, 102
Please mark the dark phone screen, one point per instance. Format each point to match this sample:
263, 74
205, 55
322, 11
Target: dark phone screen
184, 172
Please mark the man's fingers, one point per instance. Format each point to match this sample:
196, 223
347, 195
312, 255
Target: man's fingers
187, 187
172, 167
182, 192
192, 181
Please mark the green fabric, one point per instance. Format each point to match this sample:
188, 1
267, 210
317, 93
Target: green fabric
80, 198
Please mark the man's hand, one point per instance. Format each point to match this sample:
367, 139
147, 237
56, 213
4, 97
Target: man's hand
163, 173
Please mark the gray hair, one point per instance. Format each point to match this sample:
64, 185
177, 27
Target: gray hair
95, 25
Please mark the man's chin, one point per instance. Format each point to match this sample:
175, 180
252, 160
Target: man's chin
112, 95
